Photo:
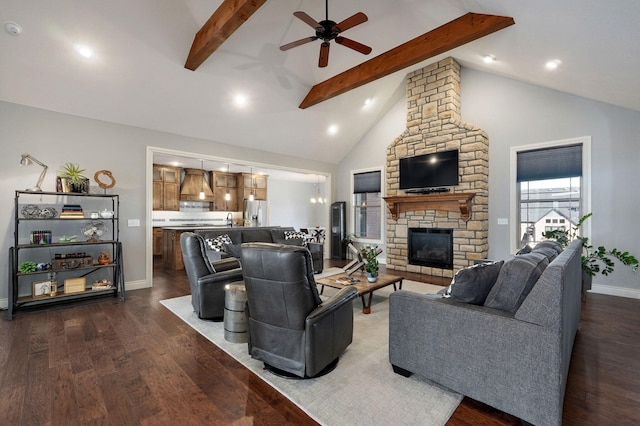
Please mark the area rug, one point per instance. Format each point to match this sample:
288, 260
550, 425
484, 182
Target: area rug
363, 389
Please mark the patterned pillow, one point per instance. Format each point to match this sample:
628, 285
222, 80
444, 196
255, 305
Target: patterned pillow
218, 242
299, 238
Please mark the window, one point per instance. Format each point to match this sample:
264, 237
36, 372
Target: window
550, 188
367, 205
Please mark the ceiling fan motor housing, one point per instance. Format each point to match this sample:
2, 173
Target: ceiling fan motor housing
328, 31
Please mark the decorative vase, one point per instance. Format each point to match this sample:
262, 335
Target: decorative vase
372, 278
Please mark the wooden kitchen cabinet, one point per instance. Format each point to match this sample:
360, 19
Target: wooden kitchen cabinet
166, 187
157, 241
255, 183
171, 253
224, 183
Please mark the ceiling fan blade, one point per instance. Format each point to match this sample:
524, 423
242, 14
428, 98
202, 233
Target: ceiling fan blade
297, 43
359, 47
323, 60
308, 20
350, 22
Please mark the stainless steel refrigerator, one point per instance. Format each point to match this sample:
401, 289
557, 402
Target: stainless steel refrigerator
256, 213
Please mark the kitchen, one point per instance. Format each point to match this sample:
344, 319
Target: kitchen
194, 193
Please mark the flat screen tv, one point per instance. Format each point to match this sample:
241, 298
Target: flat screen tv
436, 170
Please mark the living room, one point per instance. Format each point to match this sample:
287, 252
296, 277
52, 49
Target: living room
513, 113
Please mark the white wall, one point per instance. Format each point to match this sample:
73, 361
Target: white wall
514, 113
55, 139
289, 205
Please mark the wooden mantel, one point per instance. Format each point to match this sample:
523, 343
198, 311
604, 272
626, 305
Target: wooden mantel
451, 202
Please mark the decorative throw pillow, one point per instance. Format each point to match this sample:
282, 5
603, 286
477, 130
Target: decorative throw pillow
218, 242
524, 250
516, 279
298, 238
472, 284
548, 251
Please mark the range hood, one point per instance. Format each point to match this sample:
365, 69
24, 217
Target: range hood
195, 181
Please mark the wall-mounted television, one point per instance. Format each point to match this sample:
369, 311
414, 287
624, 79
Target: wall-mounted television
428, 171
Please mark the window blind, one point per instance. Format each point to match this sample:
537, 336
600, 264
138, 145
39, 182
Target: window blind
366, 182
549, 163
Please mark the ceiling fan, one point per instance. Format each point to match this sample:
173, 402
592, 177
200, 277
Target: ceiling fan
328, 30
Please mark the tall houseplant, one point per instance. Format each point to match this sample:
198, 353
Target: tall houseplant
594, 259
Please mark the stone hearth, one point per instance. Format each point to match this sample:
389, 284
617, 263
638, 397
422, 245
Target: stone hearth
433, 125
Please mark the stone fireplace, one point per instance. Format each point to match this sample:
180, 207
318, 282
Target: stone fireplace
433, 125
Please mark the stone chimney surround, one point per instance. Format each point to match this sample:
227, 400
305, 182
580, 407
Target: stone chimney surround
434, 125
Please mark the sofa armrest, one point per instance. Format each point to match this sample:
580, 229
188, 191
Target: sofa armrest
470, 349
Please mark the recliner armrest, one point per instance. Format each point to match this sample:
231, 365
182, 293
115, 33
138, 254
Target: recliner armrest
225, 264
335, 302
229, 276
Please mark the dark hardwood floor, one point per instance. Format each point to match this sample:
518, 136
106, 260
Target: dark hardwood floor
132, 363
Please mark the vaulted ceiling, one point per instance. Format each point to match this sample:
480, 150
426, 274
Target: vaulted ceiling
137, 75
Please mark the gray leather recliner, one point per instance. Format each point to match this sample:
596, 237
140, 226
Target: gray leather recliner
207, 279
290, 329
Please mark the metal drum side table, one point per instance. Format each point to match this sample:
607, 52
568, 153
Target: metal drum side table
235, 319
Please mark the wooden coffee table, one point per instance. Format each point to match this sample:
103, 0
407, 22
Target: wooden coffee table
363, 286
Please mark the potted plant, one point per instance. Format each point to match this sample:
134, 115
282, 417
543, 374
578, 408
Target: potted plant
594, 259
71, 179
371, 266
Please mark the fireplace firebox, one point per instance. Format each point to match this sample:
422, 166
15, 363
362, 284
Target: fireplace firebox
431, 247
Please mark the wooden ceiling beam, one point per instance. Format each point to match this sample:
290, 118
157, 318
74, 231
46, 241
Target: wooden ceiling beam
462, 30
224, 21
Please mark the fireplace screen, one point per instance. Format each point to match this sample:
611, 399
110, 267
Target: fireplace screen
431, 247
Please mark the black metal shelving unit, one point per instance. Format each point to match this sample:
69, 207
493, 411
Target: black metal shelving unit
21, 288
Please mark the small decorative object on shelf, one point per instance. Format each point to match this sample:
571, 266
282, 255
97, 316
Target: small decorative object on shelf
75, 285
32, 211
41, 289
71, 179
40, 237
103, 284
104, 259
27, 267
101, 184
93, 231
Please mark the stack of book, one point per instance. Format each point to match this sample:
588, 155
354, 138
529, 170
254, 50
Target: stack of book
71, 211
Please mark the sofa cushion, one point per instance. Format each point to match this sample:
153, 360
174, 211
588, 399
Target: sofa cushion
218, 242
524, 250
550, 243
515, 280
548, 251
472, 284
257, 236
233, 250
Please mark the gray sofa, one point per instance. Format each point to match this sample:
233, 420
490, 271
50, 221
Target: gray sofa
266, 234
515, 360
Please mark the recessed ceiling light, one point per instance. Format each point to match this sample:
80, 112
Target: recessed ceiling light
332, 130
12, 28
367, 103
488, 59
552, 65
240, 100
84, 50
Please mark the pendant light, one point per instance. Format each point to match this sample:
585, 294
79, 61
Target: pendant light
227, 196
317, 198
201, 196
251, 196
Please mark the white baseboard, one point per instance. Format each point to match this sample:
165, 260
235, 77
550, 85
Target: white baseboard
632, 293
136, 285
